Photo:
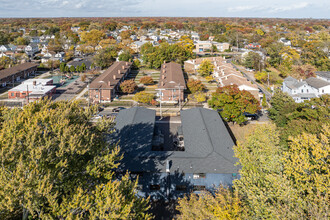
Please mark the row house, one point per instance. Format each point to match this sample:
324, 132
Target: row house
33, 89
171, 84
105, 87
16, 73
6, 48
301, 90
206, 46
192, 66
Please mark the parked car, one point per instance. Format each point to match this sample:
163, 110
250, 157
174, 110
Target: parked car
251, 116
118, 109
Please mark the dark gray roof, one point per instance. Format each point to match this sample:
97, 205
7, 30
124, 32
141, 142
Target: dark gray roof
208, 144
317, 83
324, 74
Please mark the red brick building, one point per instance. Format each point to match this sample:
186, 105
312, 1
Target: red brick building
171, 84
105, 86
16, 73
33, 89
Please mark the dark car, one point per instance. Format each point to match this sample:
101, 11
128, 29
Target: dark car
118, 109
251, 116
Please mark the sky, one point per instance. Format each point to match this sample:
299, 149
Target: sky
166, 8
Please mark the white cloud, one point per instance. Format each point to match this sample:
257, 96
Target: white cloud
194, 8
269, 9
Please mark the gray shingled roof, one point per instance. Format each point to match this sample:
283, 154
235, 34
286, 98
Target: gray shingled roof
208, 145
317, 83
324, 74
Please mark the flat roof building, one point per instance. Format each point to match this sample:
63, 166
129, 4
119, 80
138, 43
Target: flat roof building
33, 89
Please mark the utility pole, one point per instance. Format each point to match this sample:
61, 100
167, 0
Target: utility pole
27, 91
237, 41
179, 97
88, 94
160, 103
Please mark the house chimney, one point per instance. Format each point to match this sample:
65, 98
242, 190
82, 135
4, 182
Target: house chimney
123, 67
130, 60
164, 61
34, 82
162, 84
118, 71
126, 63
164, 70
163, 76
109, 83
164, 66
114, 77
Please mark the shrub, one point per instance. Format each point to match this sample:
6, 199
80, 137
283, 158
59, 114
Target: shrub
128, 86
146, 80
195, 85
143, 97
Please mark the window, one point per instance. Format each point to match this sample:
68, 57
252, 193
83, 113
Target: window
23, 93
12, 94
96, 96
154, 187
199, 175
302, 91
180, 187
322, 90
307, 90
199, 188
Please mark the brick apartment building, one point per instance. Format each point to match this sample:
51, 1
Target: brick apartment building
105, 86
16, 73
33, 89
171, 84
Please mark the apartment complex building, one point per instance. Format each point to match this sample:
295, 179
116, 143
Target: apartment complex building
16, 73
105, 86
171, 84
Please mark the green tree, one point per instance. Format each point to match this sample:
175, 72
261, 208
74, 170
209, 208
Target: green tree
273, 52
206, 68
128, 86
125, 56
62, 67
264, 101
55, 163
232, 103
72, 69
105, 57
252, 61
282, 104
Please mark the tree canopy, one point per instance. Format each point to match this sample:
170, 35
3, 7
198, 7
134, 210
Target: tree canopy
56, 164
232, 103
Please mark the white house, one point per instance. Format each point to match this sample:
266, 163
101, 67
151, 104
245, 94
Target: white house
301, 90
285, 41
31, 49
